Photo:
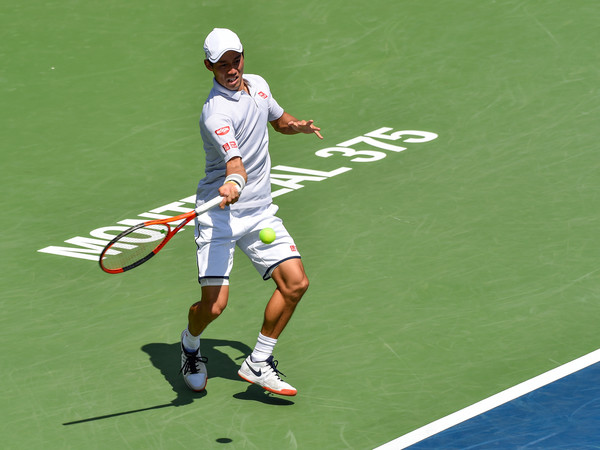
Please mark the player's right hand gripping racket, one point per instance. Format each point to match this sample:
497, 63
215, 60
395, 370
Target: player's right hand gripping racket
138, 244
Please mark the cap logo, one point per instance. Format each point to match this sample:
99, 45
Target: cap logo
222, 131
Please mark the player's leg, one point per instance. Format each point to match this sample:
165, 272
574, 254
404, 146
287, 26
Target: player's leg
292, 283
211, 305
260, 367
193, 364
280, 261
215, 260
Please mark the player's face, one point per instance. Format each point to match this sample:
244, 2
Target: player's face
228, 70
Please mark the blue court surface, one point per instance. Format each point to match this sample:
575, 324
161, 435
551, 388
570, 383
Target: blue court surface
563, 414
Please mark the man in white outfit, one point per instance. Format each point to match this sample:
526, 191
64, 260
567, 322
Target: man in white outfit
234, 131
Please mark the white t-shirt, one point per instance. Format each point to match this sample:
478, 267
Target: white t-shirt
234, 123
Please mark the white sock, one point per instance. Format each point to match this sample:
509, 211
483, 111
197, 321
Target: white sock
190, 342
263, 349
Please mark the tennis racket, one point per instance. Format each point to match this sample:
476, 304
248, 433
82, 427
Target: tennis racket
136, 245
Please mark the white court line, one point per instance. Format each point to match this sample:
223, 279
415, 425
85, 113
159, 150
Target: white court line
492, 402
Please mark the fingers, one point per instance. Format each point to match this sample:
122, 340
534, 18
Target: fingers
229, 200
315, 129
305, 126
230, 195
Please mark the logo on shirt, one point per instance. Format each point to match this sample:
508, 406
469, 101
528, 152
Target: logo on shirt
293, 248
229, 145
263, 95
222, 131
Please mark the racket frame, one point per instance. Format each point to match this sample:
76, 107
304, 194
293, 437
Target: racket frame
184, 219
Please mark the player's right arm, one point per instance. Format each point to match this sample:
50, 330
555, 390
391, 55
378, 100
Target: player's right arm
220, 134
230, 191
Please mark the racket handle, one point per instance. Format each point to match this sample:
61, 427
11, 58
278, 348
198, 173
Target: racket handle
208, 205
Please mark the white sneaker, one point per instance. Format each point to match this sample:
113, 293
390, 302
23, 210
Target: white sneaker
193, 369
265, 375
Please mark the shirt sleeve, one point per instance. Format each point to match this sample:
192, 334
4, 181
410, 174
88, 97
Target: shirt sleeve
275, 111
220, 132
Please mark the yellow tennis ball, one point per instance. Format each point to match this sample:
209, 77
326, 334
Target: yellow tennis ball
267, 235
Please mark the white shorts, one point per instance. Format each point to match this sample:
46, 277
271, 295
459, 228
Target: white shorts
219, 231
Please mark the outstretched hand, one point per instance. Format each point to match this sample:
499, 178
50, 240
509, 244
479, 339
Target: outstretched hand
305, 126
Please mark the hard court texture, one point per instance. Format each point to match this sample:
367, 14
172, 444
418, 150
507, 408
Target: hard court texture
440, 274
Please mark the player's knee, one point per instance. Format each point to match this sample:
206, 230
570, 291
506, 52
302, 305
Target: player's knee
216, 309
304, 285
296, 289
208, 310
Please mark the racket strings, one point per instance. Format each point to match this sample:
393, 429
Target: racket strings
135, 246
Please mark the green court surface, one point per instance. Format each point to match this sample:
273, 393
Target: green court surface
440, 275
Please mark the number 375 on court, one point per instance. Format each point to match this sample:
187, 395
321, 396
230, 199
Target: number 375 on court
380, 138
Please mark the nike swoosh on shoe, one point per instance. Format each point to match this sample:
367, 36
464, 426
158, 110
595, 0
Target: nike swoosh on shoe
257, 373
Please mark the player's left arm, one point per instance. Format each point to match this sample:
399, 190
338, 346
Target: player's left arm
288, 124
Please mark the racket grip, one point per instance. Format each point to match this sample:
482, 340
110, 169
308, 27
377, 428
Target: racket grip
208, 205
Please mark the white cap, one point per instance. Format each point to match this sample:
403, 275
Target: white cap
219, 41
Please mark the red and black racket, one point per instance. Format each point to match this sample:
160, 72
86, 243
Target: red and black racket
138, 244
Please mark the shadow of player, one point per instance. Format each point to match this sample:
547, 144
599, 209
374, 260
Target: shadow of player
167, 359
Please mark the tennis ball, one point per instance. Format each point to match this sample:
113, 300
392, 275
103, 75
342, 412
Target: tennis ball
267, 235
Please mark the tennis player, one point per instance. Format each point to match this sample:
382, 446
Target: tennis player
234, 129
